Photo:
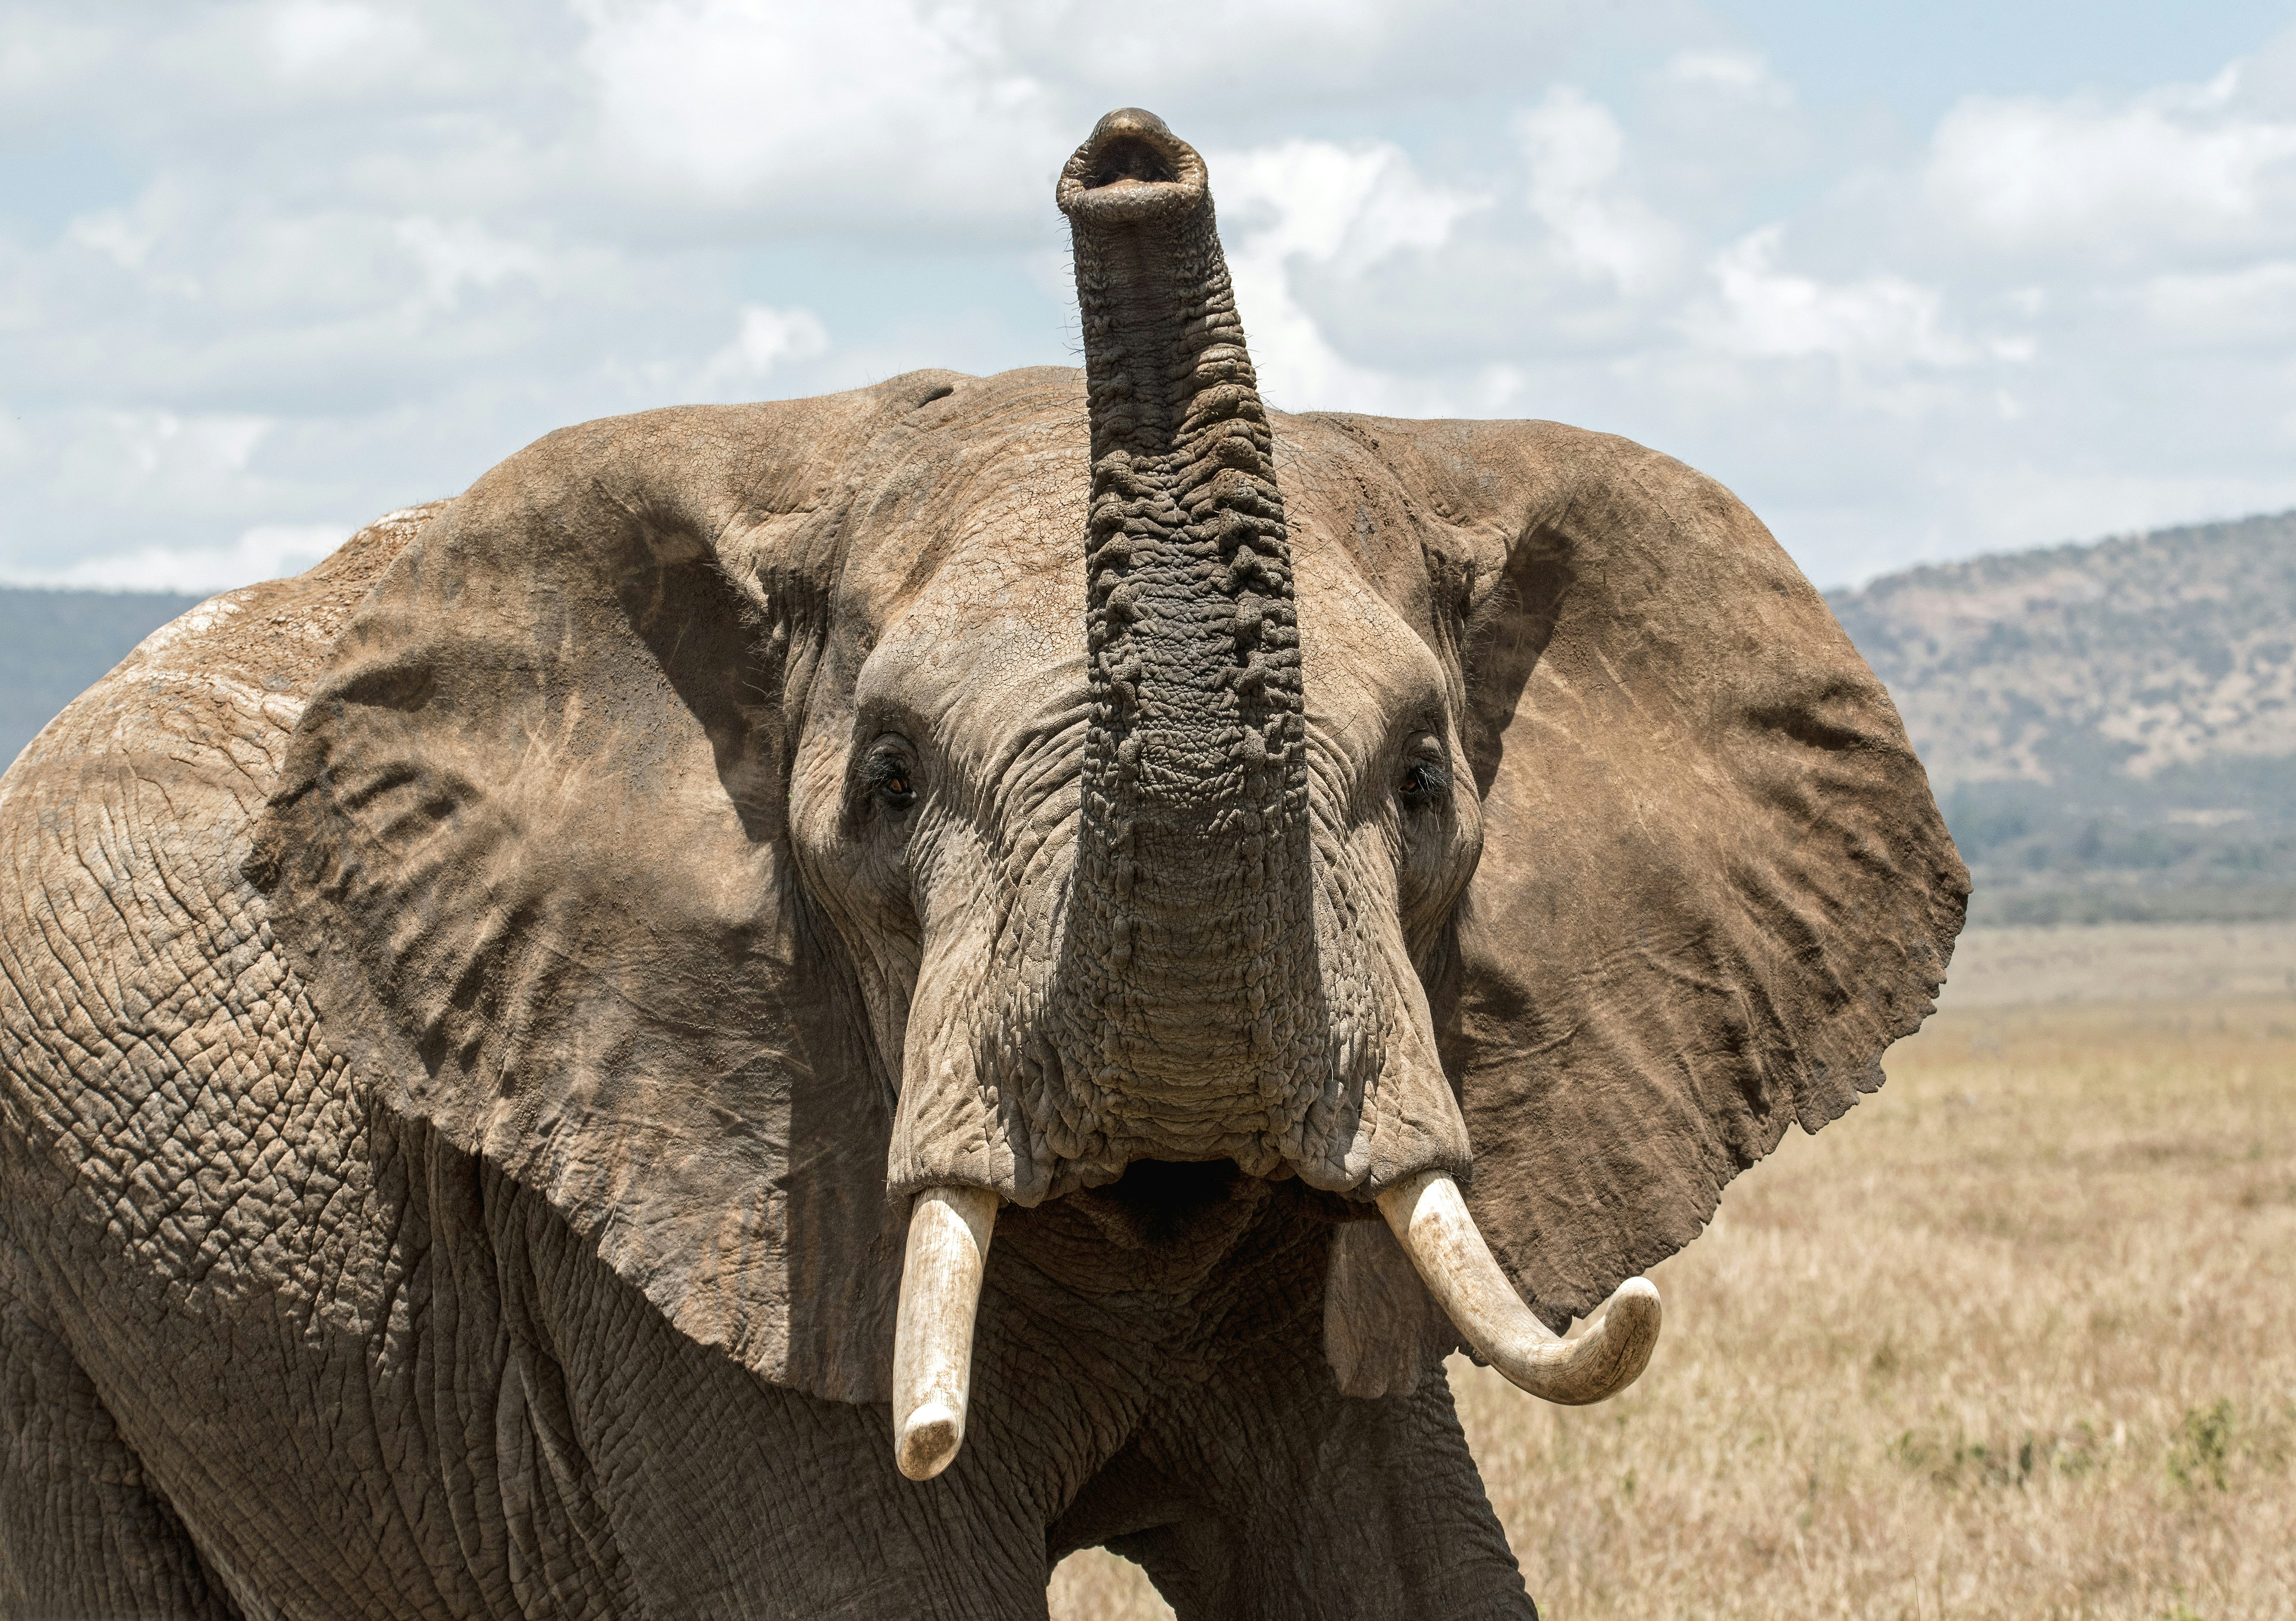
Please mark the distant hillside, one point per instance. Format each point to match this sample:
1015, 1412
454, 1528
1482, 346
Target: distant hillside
2111, 728
53, 646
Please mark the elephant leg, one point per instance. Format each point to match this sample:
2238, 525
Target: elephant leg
82, 1533
1274, 1497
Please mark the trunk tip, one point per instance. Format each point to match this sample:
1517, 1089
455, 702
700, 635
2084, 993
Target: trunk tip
1131, 166
1127, 120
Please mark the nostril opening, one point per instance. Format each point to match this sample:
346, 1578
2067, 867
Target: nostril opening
1130, 158
1130, 170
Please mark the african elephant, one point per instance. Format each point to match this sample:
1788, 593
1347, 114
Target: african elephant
518, 1040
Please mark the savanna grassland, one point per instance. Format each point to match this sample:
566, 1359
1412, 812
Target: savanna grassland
2017, 1337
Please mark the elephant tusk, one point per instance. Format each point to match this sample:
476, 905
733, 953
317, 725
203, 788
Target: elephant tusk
1431, 1222
950, 1229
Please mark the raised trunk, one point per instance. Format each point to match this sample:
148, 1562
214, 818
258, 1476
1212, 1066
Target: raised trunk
1186, 1009
1186, 1013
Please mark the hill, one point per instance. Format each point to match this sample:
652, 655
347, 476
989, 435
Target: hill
2111, 728
54, 644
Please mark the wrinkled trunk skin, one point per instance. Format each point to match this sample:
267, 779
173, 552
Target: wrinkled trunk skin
1185, 1015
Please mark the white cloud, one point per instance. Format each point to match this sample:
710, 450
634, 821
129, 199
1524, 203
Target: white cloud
1348, 210
2162, 175
1575, 152
41, 56
1878, 321
268, 551
1740, 73
766, 340
1332, 202
456, 254
2256, 304
307, 38
1250, 68
114, 235
876, 111
1127, 51
283, 261
182, 454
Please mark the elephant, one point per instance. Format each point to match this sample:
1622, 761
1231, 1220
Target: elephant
800, 1008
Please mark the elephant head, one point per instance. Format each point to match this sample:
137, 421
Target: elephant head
773, 829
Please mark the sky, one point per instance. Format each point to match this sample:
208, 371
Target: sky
1915, 281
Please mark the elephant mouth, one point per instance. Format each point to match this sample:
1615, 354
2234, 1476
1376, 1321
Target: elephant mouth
1160, 1204
946, 1257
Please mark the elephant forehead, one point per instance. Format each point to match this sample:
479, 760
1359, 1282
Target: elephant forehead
956, 667
1364, 671
977, 524
997, 619
1351, 515
1014, 575
1367, 658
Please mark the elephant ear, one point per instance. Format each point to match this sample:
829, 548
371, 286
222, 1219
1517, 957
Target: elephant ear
1714, 883
531, 852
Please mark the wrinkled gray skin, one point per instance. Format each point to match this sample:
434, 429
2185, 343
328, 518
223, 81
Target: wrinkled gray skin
474, 1014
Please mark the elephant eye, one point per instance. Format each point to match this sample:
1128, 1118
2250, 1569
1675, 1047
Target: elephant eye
1426, 784
889, 779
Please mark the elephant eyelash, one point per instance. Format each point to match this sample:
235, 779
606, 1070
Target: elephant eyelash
886, 776
1426, 782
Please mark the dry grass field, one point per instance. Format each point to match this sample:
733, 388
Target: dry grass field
2017, 1337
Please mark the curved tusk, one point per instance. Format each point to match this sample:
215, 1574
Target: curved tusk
948, 1251
1431, 1220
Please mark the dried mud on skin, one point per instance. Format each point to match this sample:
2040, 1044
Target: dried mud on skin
2017, 1339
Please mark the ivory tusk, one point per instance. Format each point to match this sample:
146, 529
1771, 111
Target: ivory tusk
1431, 1222
948, 1250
